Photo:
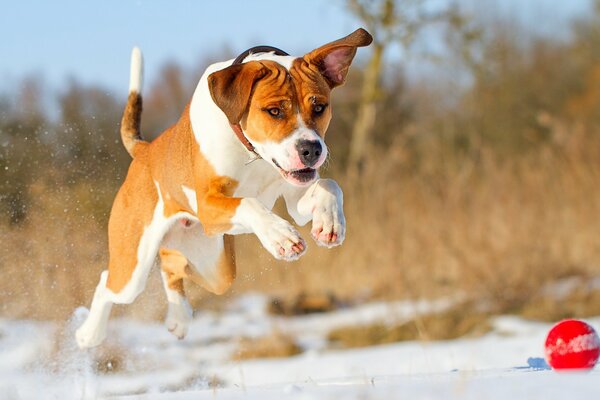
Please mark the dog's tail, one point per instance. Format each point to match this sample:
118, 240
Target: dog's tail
130, 124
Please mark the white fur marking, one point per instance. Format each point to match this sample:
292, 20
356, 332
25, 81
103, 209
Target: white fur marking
190, 194
202, 251
179, 313
285, 61
323, 202
212, 130
277, 235
136, 74
93, 330
285, 152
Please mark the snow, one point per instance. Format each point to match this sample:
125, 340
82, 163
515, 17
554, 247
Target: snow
495, 385
40, 360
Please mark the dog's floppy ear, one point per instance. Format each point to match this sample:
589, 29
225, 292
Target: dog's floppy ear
231, 88
334, 59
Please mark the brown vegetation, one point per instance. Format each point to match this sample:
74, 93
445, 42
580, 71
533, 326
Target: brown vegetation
276, 345
489, 189
580, 301
304, 303
460, 321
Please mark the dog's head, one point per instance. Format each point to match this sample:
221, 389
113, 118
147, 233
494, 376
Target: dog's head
283, 103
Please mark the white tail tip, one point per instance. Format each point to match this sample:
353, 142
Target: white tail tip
136, 76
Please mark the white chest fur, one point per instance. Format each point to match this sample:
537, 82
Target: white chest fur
219, 145
259, 179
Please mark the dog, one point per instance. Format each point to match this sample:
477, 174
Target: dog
253, 132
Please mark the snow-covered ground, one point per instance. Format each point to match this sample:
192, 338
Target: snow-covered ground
39, 360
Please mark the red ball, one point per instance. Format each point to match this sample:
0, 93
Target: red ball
572, 344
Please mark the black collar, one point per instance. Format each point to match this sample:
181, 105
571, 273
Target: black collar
258, 49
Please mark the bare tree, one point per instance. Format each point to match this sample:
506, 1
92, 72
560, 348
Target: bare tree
390, 22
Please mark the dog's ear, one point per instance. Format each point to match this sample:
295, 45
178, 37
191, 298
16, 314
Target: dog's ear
334, 59
231, 88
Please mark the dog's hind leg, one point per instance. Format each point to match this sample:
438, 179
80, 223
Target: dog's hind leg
136, 228
173, 270
93, 330
213, 267
210, 259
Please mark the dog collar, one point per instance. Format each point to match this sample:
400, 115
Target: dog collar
237, 129
259, 49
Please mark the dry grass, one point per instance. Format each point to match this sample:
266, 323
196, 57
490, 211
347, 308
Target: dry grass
579, 303
304, 303
461, 321
492, 228
489, 189
276, 345
52, 263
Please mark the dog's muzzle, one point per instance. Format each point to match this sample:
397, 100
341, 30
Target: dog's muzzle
309, 152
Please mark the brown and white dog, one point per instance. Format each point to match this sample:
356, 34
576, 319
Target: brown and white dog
190, 189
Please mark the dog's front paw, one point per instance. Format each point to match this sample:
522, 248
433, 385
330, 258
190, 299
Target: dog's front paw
281, 239
329, 223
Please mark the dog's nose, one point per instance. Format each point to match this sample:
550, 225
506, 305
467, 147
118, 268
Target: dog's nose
309, 151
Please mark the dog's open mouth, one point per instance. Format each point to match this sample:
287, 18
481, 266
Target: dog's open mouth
297, 176
303, 175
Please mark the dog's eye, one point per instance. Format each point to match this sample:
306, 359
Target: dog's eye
319, 108
274, 112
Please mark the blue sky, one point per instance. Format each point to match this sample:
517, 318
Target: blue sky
91, 40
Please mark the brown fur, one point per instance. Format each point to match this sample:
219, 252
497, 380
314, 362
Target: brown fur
131, 121
216, 207
344, 49
270, 85
275, 90
173, 263
244, 92
172, 160
131, 212
231, 88
311, 88
267, 100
